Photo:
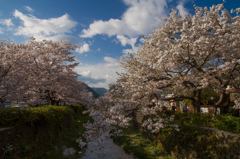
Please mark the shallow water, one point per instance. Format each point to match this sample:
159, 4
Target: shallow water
105, 149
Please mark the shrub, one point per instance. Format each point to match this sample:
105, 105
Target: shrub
31, 116
41, 132
228, 123
192, 141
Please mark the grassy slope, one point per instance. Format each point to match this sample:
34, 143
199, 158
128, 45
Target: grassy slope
190, 141
43, 140
139, 145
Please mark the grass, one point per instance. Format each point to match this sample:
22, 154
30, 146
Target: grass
140, 146
227, 123
68, 140
190, 142
44, 139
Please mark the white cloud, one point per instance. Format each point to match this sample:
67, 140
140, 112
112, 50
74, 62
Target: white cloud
111, 27
109, 59
1, 30
43, 28
29, 9
86, 73
83, 48
183, 11
139, 18
130, 41
133, 50
125, 40
71, 39
100, 75
7, 22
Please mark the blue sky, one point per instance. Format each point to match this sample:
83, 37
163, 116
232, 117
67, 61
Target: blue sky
104, 30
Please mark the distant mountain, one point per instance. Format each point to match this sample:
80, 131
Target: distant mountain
89, 89
100, 91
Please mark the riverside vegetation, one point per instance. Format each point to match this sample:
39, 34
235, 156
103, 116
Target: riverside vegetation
42, 132
51, 132
192, 141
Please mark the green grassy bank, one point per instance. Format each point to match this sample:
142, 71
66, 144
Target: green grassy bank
44, 132
192, 141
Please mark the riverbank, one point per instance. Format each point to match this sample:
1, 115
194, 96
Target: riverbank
41, 132
196, 139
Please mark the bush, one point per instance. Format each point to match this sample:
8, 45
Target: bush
139, 145
41, 132
192, 141
31, 116
227, 123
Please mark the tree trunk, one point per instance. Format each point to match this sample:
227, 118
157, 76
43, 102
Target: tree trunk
1, 100
222, 98
53, 102
197, 103
197, 106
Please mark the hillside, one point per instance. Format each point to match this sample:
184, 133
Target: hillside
89, 89
100, 91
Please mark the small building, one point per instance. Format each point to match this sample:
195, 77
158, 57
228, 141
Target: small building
177, 103
8, 104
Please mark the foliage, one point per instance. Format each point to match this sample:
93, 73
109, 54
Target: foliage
77, 108
42, 132
139, 145
33, 116
7, 150
192, 141
227, 123
209, 96
25, 148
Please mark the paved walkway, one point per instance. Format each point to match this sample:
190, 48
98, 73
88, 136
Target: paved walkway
105, 149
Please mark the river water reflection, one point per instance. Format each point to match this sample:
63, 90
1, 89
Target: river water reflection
105, 149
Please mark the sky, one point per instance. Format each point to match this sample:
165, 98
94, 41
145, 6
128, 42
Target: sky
104, 30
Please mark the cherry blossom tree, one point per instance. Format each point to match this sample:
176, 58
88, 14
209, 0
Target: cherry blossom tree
186, 55
182, 57
50, 69
52, 74
11, 74
40, 72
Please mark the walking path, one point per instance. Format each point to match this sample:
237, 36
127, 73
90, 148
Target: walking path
105, 149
